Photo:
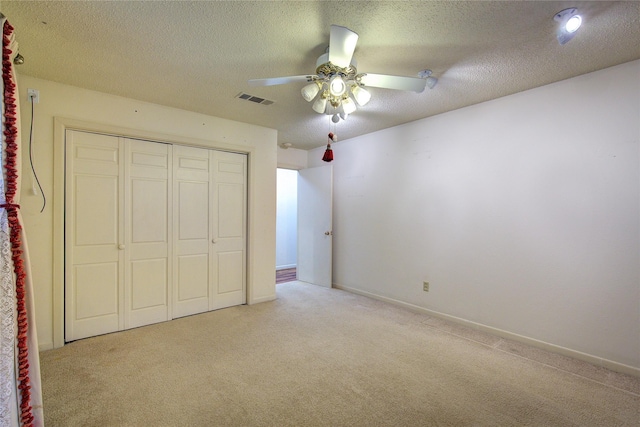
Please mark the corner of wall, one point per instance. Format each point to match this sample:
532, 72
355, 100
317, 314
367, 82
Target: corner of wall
292, 158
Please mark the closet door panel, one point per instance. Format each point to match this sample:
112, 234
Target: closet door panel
230, 273
96, 290
148, 195
229, 229
95, 228
149, 198
193, 274
93, 233
230, 218
91, 210
150, 291
191, 230
193, 212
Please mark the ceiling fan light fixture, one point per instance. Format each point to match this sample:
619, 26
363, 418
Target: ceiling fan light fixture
337, 86
310, 91
570, 22
361, 95
320, 105
348, 106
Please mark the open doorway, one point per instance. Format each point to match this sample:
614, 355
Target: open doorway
286, 225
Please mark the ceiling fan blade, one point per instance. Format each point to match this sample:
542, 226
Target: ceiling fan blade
342, 43
415, 84
281, 80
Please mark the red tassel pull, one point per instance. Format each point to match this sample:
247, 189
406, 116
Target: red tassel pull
328, 154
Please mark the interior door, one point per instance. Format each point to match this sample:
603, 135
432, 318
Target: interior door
191, 234
94, 235
148, 227
228, 263
315, 234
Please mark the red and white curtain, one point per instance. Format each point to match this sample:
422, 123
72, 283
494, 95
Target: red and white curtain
20, 387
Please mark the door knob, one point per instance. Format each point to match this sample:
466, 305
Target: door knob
328, 233
214, 241
121, 247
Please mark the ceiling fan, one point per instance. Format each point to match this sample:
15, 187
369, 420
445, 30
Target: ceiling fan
337, 83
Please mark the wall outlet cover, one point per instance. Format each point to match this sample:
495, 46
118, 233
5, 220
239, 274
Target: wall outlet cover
33, 95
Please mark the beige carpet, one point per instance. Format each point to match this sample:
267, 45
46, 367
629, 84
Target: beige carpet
323, 357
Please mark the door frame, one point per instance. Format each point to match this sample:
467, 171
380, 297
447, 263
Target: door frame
61, 125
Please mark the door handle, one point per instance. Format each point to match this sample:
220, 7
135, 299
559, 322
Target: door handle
121, 247
328, 233
214, 241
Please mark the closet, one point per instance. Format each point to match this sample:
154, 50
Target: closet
153, 232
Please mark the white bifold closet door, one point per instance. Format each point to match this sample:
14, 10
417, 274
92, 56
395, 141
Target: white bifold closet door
147, 233
209, 236
94, 260
152, 232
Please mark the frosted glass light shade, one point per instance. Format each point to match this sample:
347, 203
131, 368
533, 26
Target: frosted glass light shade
320, 105
362, 96
348, 106
310, 91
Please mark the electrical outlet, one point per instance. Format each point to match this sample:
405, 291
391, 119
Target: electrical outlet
33, 95
425, 286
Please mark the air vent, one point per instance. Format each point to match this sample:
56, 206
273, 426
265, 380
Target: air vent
255, 99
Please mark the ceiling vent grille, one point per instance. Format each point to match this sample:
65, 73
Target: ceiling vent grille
255, 99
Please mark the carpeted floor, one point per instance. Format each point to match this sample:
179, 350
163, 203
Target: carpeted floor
324, 357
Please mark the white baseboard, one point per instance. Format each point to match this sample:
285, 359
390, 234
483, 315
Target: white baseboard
261, 299
45, 346
284, 267
595, 360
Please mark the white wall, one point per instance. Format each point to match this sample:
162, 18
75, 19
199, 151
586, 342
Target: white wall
287, 219
522, 213
136, 118
292, 158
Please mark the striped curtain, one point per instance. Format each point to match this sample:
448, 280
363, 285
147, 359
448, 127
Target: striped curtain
20, 388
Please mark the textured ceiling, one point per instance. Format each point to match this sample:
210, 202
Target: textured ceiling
199, 55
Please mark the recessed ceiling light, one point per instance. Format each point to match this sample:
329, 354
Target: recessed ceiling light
573, 24
569, 21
